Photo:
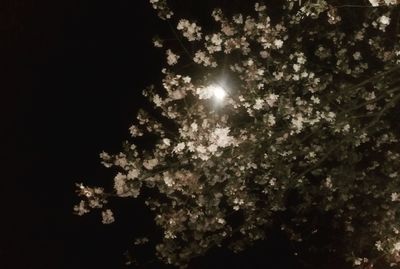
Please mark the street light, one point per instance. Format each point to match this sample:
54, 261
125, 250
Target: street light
218, 92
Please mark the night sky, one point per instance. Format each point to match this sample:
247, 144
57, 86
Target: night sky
73, 75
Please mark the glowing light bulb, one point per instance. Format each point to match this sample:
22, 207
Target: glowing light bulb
218, 92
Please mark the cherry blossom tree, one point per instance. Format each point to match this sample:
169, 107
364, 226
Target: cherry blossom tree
285, 115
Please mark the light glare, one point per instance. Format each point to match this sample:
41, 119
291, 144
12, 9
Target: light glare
218, 92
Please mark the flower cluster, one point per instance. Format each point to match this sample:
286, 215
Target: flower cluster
94, 199
308, 111
164, 12
376, 3
190, 30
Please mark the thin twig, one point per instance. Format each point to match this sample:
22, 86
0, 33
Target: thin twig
360, 6
179, 40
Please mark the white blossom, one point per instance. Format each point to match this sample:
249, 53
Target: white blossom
259, 104
220, 136
357, 55
133, 173
278, 43
120, 184
205, 92
168, 180
384, 20
167, 141
150, 164
378, 245
135, 131
194, 126
172, 58
374, 3
81, 208
107, 216
201, 57
179, 147
271, 120
358, 261
396, 246
271, 99
189, 30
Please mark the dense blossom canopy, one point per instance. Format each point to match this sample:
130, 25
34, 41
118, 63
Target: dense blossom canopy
283, 116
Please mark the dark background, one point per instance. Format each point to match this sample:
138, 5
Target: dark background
71, 82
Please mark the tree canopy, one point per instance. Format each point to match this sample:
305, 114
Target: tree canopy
284, 115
